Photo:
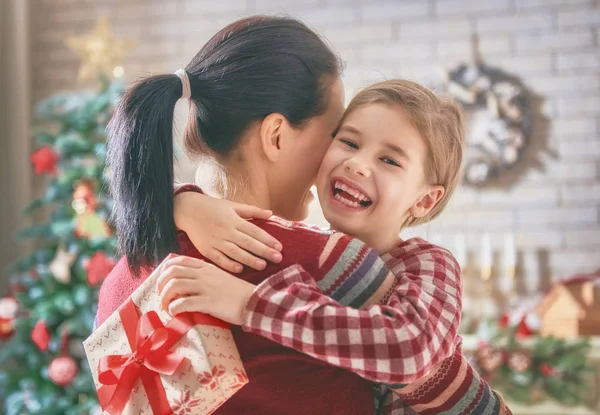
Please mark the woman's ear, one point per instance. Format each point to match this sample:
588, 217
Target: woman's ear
271, 130
428, 201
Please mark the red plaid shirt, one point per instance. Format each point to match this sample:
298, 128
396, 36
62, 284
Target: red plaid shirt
394, 343
410, 343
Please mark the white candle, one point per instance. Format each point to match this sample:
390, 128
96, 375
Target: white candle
510, 253
486, 250
460, 250
485, 260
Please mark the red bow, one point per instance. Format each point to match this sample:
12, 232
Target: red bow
150, 356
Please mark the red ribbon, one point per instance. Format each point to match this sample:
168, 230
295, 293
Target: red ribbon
150, 357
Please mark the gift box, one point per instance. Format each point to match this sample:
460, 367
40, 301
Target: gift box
145, 361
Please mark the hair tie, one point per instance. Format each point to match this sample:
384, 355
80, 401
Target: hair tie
185, 83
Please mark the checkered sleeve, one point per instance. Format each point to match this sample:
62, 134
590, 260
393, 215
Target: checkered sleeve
394, 343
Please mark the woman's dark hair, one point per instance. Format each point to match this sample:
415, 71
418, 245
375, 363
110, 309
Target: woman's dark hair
252, 68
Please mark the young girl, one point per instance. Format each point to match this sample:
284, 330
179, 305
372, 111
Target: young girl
394, 162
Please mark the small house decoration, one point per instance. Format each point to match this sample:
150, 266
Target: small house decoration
572, 308
498, 117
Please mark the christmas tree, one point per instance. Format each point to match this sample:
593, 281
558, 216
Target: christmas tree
53, 304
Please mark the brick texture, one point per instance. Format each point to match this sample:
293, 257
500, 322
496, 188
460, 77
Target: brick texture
553, 204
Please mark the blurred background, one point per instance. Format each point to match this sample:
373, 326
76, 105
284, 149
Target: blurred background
525, 224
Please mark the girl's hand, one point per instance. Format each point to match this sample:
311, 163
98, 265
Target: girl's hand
189, 284
219, 230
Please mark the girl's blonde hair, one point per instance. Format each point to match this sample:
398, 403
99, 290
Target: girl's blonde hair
439, 121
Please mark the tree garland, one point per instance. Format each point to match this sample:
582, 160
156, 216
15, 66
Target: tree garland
532, 370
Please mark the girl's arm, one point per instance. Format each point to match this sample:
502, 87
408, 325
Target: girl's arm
452, 387
229, 239
395, 343
310, 311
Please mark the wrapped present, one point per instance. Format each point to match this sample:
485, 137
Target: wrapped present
146, 362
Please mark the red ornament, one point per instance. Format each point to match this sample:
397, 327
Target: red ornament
546, 369
40, 335
523, 329
84, 198
8, 312
44, 160
98, 267
7, 328
63, 370
504, 320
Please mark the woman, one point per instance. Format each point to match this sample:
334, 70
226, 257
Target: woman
265, 97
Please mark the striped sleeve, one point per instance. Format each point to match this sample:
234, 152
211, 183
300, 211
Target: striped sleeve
453, 387
394, 343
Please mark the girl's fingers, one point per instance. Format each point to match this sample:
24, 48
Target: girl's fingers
235, 252
256, 248
252, 212
177, 288
187, 304
260, 235
170, 271
182, 260
221, 260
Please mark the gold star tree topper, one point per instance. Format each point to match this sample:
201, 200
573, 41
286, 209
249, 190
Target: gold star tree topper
100, 52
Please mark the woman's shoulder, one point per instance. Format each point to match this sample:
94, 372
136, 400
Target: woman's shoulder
116, 288
296, 233
291, 226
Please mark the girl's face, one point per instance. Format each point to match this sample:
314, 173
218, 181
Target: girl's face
300, 163
373, 174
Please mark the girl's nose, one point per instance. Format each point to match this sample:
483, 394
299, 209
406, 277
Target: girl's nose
358, 167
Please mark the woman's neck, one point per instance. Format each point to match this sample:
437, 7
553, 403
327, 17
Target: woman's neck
247, 187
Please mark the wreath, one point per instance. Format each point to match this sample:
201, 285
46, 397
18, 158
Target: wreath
498, 119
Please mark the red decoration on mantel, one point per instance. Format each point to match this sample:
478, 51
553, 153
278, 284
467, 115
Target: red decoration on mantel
546, 369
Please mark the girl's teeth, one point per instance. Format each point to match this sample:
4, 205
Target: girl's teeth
346, 201
350, 191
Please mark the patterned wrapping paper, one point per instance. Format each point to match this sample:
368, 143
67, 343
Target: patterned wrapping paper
188, 364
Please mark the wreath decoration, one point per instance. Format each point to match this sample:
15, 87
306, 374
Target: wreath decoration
498, 119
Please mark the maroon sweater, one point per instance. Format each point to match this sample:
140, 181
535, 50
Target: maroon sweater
282, 380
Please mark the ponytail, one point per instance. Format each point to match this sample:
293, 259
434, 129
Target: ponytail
140, 159
253, 67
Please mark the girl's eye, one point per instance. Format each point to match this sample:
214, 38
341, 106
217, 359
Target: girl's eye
389, 161
348, 143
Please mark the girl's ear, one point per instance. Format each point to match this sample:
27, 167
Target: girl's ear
427, 202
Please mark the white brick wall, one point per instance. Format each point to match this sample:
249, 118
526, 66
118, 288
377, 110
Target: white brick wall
553, 45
